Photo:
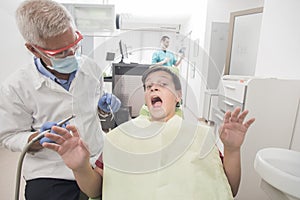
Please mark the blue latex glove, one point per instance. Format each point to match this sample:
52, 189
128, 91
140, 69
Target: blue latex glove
48, 126
109, 100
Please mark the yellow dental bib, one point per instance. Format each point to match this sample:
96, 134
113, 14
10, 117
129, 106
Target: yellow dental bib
163, 161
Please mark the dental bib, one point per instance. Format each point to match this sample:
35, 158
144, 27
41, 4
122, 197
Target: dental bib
165, 164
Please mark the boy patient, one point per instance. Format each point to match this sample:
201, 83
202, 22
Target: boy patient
158, 156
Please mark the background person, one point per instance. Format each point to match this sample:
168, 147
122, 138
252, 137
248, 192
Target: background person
185, 176
59, 82
165, 57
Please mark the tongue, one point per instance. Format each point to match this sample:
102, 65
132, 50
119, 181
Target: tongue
157, 104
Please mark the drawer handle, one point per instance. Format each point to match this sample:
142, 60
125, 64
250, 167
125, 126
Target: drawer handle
230, 87
219, 117
228, 103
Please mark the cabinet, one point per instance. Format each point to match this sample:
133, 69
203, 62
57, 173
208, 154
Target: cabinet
92, 18
210, 99
274, 103
128, 87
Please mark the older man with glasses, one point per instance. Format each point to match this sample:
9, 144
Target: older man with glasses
59, 82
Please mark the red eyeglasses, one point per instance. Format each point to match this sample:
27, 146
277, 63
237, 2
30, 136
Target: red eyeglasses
65, 51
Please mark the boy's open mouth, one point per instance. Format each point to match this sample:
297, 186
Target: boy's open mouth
156, 101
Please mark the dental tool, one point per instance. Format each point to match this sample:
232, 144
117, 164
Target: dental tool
112, 113
35, 139
110, 109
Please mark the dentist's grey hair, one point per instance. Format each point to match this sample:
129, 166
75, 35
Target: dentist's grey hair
39, 20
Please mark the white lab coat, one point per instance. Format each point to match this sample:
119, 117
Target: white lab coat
28, 99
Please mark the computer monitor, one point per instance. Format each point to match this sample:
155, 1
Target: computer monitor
123, 51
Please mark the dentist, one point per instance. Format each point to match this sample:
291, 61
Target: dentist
59, 82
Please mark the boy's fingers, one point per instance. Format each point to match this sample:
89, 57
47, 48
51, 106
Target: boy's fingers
74, 130
59, 130
249, 122
234, 115
242, 116
56, 138
227, 116
51, 146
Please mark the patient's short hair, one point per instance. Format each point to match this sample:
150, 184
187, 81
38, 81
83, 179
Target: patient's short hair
174, 76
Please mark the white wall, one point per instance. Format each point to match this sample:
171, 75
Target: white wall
13, 52
215, 11
219, 11
13, 56
198, 20
279, 47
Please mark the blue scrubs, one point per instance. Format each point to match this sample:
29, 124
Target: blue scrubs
161, 55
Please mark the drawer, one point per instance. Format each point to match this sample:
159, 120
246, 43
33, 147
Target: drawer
225, 104
233, 89
217, 117
210, 100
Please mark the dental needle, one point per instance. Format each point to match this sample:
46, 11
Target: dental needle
112, 113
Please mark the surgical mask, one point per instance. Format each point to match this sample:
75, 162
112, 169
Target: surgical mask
66, 65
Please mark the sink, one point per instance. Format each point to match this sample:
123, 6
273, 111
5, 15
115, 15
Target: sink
279, 170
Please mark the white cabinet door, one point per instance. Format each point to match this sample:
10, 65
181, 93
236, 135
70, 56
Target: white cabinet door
274, 104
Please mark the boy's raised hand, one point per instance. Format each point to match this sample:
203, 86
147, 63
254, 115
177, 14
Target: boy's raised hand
233, 130
69, 146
